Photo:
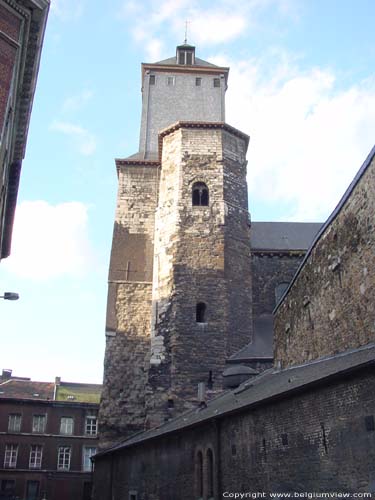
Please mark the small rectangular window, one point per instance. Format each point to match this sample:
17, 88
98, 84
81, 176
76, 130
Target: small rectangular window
63, 457
35, 459
181, 57
198, 81
88, 452
284, 439
370, 423
66, 425
170, 81
91, 425
216, 82
14, 422
152, 79
39, 424
8, 487
10, 456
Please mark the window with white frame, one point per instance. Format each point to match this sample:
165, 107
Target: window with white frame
88, 452
14, 422
63, 457
36, 453
66, 425
39, 424
91, 425
10, 456
171, 81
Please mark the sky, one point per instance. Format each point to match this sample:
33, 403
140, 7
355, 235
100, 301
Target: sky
301, 84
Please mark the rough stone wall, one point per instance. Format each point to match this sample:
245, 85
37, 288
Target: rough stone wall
331, 305
270, 270
316, 441
202, 254
122, 410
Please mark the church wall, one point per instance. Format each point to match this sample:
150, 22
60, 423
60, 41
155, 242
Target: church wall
184, 100
270, 270
331, 305
315, 441
122, 409
202, 255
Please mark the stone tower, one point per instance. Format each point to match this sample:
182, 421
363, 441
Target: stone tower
179, 296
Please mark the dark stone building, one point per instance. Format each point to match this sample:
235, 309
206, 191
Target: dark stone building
192, 280
305, 427
48, 433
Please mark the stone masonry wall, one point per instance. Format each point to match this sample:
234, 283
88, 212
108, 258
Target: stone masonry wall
202, 255
269, 271
331, 305
122, 410
314, 441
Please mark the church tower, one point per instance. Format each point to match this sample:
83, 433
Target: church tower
179, 295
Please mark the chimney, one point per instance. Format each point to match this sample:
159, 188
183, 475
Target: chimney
7, 374
202, 395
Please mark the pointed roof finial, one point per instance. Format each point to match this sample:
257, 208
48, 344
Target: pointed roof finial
186, 30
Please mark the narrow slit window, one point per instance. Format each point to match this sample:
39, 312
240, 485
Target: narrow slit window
200, 195
201, 312
152, 79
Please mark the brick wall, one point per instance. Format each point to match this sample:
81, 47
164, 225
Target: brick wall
331, 305
316, 441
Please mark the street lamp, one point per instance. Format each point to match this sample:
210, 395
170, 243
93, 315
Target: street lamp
10, 296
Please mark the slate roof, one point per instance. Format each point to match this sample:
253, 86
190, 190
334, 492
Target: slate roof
267, 386
172, 61
283, 235
27, 389
262, 345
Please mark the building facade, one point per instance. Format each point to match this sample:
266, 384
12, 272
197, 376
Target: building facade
48, 433
303, 429
192, 280
22, 27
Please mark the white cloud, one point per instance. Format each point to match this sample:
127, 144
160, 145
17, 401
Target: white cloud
49, 241
67, 9
83, 139
76, 102
308, 136
207, 24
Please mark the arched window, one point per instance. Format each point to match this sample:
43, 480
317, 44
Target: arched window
200, 312
210, 474
199, 474
200, 197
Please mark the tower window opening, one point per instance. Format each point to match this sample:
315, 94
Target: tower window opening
200, 196
185, 57
200, 312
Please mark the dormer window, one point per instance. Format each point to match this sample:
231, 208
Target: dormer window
185, 55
